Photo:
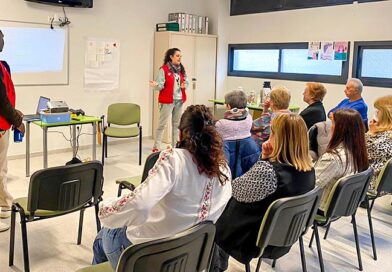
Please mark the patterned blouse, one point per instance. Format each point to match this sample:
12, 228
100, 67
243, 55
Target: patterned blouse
379, 148
256, 184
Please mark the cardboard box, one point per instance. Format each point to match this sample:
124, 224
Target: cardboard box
52, 118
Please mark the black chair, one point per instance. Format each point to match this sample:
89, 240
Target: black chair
131, 183
286, 221
184, 252
54, 192
123, 115
343, 200
383, 184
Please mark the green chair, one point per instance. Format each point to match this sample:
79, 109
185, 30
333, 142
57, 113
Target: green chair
286, 221
131, 183
123, 115
383, 184
343, 200
54, 192
186, 251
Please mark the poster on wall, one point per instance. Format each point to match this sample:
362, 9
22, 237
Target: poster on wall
102, 64
327, 52
313, 50
340, 49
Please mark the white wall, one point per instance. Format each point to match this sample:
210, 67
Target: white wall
132, 22
357, 22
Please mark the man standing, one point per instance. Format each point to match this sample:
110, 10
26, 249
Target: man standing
9, 116
354, 99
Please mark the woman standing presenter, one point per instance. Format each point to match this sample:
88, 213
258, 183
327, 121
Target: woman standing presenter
171, 83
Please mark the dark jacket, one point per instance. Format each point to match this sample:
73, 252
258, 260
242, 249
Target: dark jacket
241, 155
313, 114
239, 224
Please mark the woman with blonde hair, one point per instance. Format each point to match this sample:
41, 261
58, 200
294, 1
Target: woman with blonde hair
278, 103
379, 137
285, 169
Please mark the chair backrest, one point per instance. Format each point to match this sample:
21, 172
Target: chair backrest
384, 179
66, 187
123, 114
150, 162
187, 251
347, 194
287, 219
319, 136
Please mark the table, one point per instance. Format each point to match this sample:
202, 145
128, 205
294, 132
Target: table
254, 107
45, 126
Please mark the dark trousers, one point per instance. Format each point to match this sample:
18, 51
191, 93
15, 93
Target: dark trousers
220, 260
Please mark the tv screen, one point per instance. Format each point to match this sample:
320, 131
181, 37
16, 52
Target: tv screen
68, 3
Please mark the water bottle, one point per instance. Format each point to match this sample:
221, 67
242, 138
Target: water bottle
18, 136
266, 91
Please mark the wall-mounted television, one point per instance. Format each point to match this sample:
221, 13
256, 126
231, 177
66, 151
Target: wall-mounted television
67, 3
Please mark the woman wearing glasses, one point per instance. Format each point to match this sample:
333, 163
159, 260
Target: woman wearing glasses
171, 83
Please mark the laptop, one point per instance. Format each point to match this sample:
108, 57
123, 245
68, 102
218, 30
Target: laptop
42, 105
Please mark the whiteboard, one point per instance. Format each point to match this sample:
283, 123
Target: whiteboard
37, 54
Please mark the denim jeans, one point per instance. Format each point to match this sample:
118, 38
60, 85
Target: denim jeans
165, 110
109, 244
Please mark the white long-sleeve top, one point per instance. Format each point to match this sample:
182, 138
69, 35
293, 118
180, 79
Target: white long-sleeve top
174, 197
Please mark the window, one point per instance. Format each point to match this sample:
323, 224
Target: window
283, 61
373, 63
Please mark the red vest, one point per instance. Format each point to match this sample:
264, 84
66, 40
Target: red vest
9, 86
166, 94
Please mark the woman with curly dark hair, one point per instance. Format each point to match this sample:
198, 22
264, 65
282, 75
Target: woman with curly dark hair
188, 184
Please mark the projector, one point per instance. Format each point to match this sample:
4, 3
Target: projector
57, 106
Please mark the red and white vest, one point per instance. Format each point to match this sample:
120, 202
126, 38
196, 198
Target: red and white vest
166, 94
9, 86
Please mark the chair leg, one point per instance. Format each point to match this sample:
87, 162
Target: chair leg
327, 231
12, 237
119, 190
274, 263
311, 238
106, 146
25, 244
80, 227
258, 264
247, 267
97, 218
357, 243
103, 150
301, 248
140, 145
371, 228
320, 255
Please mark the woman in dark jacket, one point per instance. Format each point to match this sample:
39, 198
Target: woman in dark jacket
313, 95
284, 170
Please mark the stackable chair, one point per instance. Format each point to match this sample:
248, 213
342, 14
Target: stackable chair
54, 192
123, 115
131, 183
286, 221
383, 184
343, 200
186, 251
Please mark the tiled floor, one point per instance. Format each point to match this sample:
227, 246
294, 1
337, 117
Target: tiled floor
52, 242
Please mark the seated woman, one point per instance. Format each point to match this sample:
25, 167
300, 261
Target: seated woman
237, 120
241, 150
187, 185
346, 153
313, 95
379, 137
279, 103
284, 170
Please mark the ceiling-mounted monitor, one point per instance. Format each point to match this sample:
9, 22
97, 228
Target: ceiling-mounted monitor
67, 3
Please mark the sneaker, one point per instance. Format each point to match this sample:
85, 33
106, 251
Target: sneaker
154, 149
4, 227
5, 214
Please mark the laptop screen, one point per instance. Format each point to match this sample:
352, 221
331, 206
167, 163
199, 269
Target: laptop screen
42, 103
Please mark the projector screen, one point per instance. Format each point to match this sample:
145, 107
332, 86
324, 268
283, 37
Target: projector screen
37, 54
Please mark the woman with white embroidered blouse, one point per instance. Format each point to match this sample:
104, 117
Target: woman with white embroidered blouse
346, 153
188, 184
379, 137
